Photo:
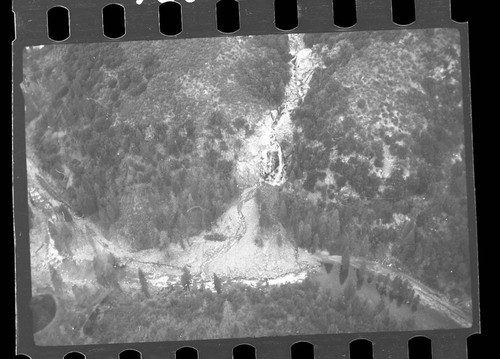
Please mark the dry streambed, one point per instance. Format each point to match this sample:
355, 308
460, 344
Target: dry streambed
237, 259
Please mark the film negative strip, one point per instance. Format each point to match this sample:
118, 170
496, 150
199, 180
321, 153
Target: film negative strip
186, 187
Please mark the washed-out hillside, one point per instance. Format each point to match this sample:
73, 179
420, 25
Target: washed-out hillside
228, 174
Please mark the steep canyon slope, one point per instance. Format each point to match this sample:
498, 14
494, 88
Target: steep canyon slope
253, 160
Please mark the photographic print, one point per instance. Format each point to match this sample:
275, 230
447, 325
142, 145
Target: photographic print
248, 186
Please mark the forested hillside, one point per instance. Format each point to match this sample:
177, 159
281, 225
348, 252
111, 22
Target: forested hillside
248, 186
379, 153
137, 134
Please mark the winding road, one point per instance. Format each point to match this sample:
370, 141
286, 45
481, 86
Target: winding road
303, 65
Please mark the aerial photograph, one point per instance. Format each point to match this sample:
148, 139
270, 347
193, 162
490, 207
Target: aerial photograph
247, 186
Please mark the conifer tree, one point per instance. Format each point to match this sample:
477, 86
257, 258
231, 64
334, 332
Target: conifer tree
344, 267
186, 278
307, 236
283, 212
56, 280
217, 284
144, 283
349, 291
415, 303
360, 275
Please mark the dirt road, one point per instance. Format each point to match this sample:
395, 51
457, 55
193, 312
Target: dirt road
428, 296
251, 265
